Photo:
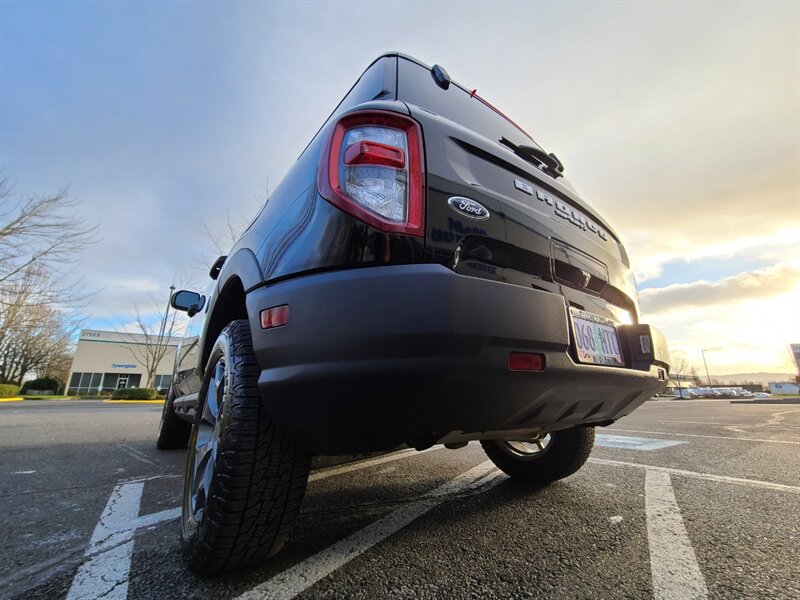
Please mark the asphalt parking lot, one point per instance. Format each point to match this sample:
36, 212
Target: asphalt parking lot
680, 499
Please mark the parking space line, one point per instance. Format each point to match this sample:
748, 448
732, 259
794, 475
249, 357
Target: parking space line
779, 487
715, 437
300, 577
110, 548
156, 518
137, 454
673, 564
363, 464
628, 442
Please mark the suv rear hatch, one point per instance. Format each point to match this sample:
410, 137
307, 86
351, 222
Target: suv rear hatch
495, 211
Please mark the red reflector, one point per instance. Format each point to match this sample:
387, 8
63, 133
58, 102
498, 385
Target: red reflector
277, 316
374, 153
522, 361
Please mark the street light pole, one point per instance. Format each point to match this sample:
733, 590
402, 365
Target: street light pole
166, 314
163, 331
703, 352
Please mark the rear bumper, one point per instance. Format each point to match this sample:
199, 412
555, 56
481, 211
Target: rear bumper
375, 358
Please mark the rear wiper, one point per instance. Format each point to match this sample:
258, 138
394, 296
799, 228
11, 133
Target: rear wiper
549, 163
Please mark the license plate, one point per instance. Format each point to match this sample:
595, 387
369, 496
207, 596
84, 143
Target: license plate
596, 339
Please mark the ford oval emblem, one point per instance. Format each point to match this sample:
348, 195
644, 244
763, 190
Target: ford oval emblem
469, 208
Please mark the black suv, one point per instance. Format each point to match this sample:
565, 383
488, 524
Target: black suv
423, 275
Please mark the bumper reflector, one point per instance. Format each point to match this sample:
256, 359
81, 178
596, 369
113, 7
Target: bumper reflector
523, 361
277, 316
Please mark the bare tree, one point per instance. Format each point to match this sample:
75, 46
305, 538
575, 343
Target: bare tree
34, 336
57, 365
42, 233
152, 340
223, 235
39, 238
681, 373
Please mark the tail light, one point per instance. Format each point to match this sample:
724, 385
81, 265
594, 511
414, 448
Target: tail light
373, 170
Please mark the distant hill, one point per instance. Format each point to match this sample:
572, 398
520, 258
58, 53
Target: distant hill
762, 378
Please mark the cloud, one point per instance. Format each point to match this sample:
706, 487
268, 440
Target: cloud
773, 281
783, 242
746, 336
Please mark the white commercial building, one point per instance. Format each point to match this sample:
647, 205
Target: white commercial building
108, 360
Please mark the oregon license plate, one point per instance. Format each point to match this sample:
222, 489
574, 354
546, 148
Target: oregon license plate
596, 339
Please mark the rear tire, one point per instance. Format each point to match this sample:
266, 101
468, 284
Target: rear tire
245, 480
565, 453
173, 432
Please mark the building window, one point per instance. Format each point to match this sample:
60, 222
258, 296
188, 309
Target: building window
85, 383
162, 382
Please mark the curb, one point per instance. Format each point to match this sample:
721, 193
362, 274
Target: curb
768, 401
133, 401
11, 399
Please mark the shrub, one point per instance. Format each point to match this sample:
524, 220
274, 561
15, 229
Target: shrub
42, 384
8, 390
134, 394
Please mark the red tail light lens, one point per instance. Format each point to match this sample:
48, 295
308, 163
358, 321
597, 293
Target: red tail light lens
277, 316
373, 170
375, 153
523, 361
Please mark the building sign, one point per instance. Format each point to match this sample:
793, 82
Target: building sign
122, 366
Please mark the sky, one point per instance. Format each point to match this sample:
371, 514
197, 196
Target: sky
679, 122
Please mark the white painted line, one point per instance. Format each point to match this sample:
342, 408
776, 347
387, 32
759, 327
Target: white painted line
303, 575
175, 513
673, 564
707, 423
110, 549
363, 464
778, 487
156, 518
151, 478
136, 454
715, 437
628, 442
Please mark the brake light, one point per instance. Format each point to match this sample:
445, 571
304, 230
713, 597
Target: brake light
373, 170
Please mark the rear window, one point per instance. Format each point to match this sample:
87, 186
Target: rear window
416, 86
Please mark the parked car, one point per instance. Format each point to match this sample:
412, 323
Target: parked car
762, 395
423, 275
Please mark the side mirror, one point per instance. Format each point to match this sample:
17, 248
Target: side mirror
187, 301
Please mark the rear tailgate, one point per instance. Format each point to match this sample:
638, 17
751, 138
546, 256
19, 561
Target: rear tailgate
537, 232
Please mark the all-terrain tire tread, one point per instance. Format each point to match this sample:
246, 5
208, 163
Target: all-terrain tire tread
260, 479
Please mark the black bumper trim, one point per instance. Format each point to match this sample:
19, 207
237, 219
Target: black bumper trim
374, 358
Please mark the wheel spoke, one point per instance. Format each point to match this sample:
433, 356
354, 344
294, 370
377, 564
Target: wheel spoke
203, 460
208, 473
219, 389
210, 408
201, 449
207, 442
529, 449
